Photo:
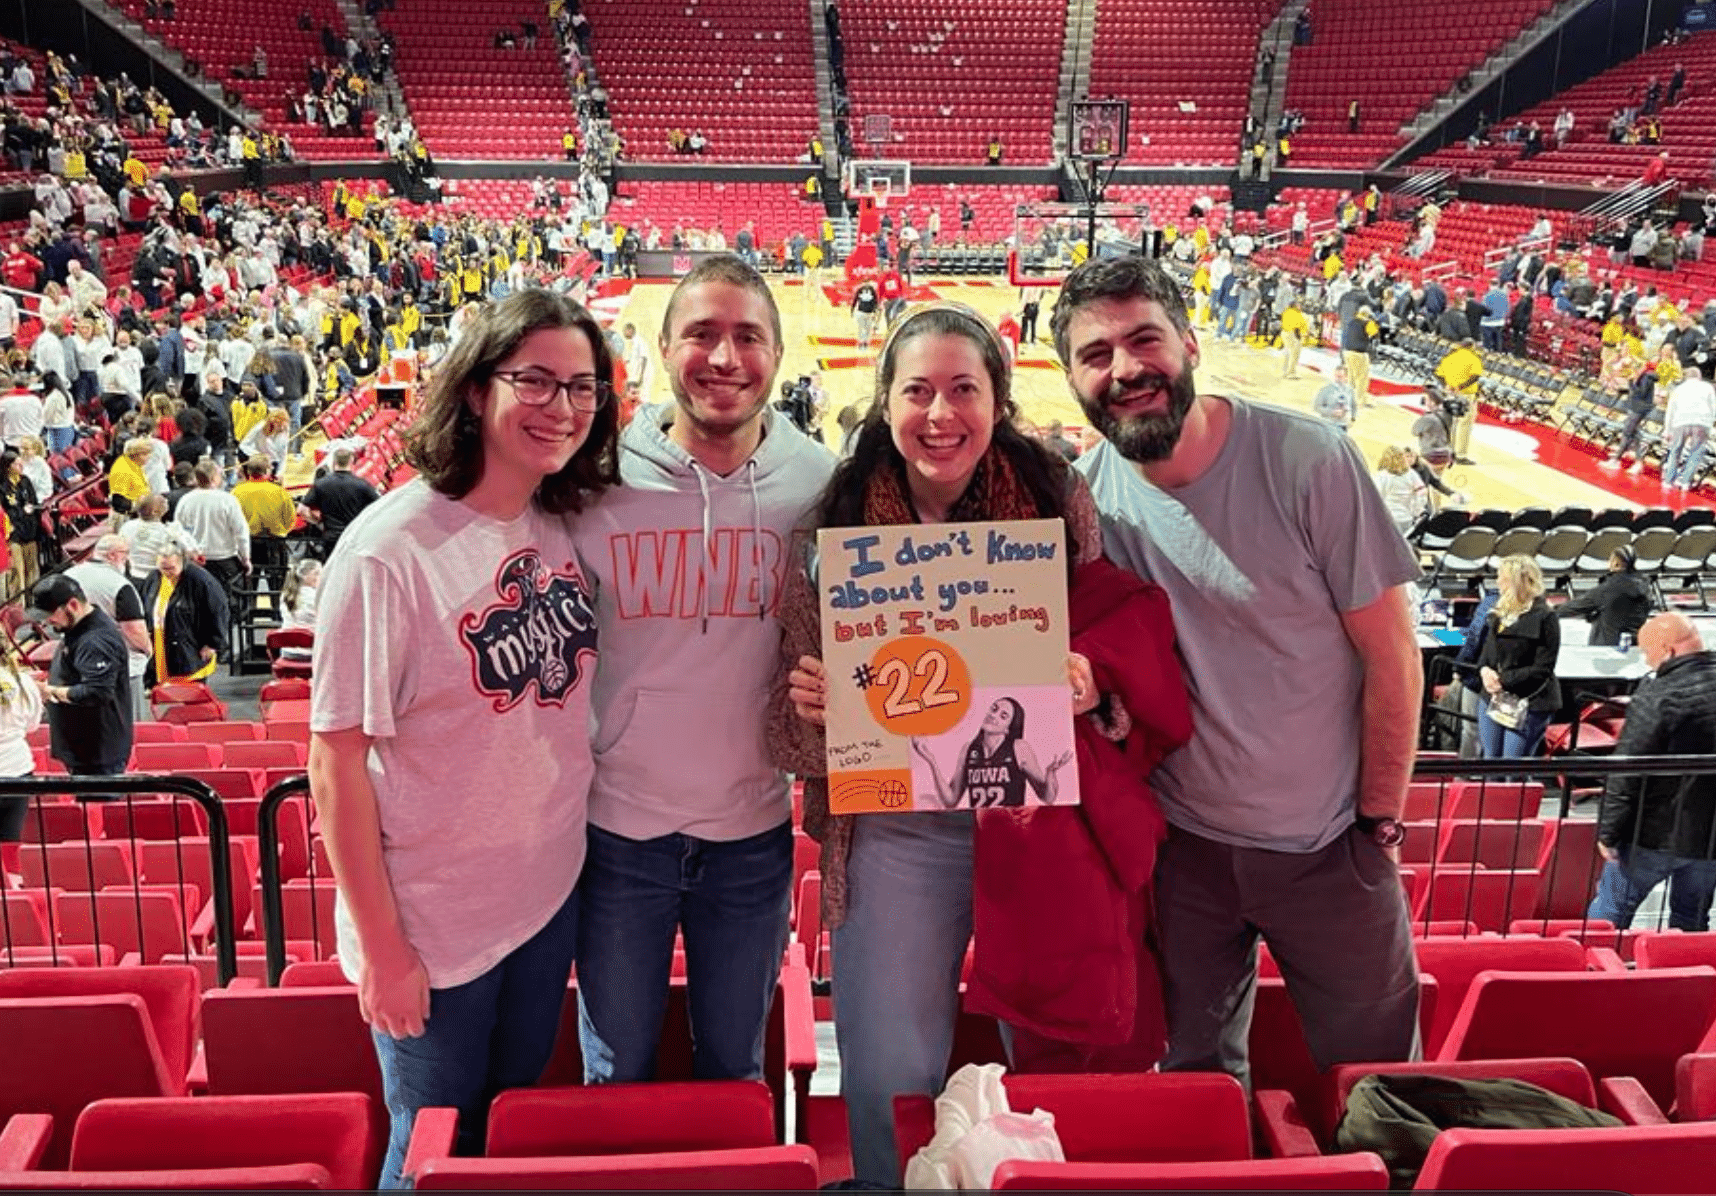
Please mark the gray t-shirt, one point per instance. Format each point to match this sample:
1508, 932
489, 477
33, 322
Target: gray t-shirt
464, 646
1260, 557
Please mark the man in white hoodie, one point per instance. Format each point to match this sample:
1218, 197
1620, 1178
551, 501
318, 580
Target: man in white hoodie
1686, 429
690, 823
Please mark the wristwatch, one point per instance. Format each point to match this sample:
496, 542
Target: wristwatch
1387, 832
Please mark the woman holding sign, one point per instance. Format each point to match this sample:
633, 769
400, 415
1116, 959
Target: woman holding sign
900, 890
996, 764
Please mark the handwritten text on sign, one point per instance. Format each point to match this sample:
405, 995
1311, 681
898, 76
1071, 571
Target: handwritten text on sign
945, 646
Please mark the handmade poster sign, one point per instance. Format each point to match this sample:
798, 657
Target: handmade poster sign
946, 651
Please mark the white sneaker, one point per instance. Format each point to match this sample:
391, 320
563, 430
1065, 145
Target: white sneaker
1638, 468
1611, 464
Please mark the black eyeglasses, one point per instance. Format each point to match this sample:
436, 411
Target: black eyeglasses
537, 388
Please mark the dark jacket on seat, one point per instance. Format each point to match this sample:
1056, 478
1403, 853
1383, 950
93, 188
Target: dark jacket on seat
1672, 714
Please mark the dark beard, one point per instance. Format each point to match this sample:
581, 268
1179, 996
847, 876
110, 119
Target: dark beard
1143, 438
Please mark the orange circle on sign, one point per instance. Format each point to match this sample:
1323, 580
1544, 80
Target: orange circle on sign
918, 686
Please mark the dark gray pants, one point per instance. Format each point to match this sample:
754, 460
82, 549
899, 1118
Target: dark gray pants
1337, 924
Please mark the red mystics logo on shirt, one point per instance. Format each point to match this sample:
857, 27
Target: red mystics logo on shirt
542, 632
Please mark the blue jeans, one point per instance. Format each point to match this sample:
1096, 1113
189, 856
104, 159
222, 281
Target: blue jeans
897, 960
1227, 323
484, 1036
1685, 454
732, 901
1504, 743
59, 439
1627, 881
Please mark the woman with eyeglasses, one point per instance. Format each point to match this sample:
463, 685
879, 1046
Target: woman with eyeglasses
1060, 951
449, 757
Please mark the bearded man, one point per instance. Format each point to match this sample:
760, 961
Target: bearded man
1287, 582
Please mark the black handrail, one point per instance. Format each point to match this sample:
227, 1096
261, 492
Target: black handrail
102, 789
268, 844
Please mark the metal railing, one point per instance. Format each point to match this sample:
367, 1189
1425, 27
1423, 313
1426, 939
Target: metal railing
1501, 843
296, 852
72, 901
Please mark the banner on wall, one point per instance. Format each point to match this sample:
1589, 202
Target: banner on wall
946, 649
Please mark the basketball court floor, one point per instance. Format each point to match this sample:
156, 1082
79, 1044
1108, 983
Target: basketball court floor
1516, 465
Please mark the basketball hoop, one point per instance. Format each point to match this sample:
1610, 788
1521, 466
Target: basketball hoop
875, 179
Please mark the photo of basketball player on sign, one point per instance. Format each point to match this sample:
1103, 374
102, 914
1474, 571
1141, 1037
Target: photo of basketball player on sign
996, 768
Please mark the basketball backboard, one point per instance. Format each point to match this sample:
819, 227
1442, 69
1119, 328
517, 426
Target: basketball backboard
876, 178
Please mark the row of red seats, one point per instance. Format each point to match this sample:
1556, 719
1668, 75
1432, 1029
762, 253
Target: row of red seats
75, 1046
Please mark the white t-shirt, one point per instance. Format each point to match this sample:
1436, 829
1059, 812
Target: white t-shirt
465, 647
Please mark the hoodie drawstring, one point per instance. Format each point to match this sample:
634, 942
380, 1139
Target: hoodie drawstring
757, 540
708, 545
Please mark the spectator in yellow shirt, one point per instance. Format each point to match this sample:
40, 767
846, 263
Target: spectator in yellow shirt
1294, 330
125, 481
270, 512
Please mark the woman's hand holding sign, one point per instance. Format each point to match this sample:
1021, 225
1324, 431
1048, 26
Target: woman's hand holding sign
807, 687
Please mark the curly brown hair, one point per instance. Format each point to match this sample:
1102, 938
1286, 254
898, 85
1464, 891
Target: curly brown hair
445, 442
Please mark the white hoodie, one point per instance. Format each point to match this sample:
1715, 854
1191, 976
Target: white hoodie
683, 679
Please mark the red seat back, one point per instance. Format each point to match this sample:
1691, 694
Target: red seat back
1615, 1023
762, 1168
1491, 899
64, 1052
169, 995
631, 1118
1636, 1159
1455, 962
81, 867
331, 1130
222, 733
149, 921
1675, 950
174, 757
1695, 1088
288, 1040
1168, 1117
1337, 1173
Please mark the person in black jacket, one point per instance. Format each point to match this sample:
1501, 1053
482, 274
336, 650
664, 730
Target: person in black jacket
1518, 658
1652, 829
89, 684
191, 446
186, 612
1618, 606
1641, 401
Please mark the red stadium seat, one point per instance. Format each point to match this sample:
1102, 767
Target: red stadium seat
1149, 1118
1526, 1014
1456, 962
1338, 1173
1675, 950
287, 1040
763, 1168
64, 1052
1636, 1159
330, 1130
169, 996
1292, 1130
1695, 1088
266, 753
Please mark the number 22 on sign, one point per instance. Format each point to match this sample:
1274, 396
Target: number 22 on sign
916, 686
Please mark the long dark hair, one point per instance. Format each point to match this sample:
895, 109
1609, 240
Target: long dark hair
1015, 728
1044, 474
445, 443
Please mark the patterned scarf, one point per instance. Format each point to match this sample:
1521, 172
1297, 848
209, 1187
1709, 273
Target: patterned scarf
995, 492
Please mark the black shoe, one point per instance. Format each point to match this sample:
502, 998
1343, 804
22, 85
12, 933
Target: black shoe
1464, 461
